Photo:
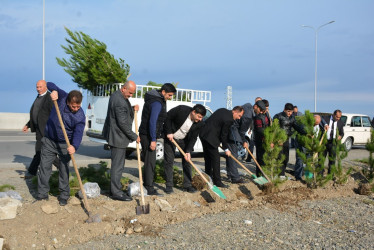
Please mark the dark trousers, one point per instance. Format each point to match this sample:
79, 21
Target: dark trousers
231, 165
260, 151
169, 155
286, 152
34, 165
251, 148
331, 150
118, 156
299, 167
212, 162
149, 158
49, 151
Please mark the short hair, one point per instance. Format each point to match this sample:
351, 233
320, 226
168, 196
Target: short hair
288, 106
199, 109
337, 111
258, 99
74, 96
169, 88
295, 107
238, 109
266, 102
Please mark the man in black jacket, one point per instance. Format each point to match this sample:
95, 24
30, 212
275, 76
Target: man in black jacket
333, 126
39, 113
286, 122
216, 131
183, 124
150, 129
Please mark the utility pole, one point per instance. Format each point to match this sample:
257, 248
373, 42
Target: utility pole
229, 98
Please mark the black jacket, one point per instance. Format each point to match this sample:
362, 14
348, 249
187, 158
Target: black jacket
241, 126
175, 119
287, 123
217, 128
42, 116
260, 123
326, 121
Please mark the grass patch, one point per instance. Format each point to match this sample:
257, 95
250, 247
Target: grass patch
91, 173
368, 202
6, 187
177, 174
365, 160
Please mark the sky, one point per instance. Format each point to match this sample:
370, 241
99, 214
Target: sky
258, 47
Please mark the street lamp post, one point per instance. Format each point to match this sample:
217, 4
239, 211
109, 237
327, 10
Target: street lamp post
315, 69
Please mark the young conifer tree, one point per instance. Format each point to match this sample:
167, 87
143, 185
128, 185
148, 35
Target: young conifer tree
339, 175
314, 145
370, 147
274, 138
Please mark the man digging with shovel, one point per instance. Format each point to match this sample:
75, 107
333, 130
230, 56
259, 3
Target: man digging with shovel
53, 142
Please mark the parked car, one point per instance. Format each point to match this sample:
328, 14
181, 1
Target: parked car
357, 129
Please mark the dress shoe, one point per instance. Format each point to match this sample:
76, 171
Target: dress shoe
169, 190
238, 181
122, 197
154, 192
62, 201
221, 185
190, 190
42, 198
28, 175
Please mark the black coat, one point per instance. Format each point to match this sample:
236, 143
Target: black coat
217, 128
326, 121
175, 119
43, 114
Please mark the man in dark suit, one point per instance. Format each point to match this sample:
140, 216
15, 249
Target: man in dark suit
183, 124
216, 131
118, 133
39, 113
334, 125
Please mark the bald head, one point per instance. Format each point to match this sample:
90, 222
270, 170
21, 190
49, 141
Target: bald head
128, 89
317, 120
41, 87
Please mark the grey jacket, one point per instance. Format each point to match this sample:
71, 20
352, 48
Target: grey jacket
118, 123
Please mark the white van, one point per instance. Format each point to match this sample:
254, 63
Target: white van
98, 105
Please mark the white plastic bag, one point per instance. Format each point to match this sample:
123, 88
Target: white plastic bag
134, 189
92, 190
14, 195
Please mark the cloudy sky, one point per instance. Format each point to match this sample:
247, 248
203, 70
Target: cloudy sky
257, 47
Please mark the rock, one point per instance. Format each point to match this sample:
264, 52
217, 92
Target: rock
8, 208
187, 203
129, 231
1, 243
163, 205
138, 229
248, 222
119, 230
74, 201
50, 208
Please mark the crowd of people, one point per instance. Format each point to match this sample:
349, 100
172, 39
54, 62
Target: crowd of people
225, 129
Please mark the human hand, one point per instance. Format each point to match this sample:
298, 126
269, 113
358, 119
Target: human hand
187, 157
71, 149
136, 107
170, 137
153, 146
228, 153
138, 139
54, 95
245, 144
25, 129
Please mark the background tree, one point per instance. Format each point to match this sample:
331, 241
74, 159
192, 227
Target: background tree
90, 64
274, 138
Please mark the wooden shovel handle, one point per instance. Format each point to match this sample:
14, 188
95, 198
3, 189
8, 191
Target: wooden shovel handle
193, 165
72, 157
258, 165
139, 160
237, 161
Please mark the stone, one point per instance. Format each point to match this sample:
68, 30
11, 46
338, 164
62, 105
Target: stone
163, 205
138, 229
8, 208
49, 208
74, 201
119, 230
1, 243
129, 230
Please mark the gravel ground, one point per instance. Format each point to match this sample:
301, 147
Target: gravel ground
339, 223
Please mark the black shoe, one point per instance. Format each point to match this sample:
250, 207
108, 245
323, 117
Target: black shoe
221, 185
122, 197
190, 190
239, 181
44, 198
62, 201
154, 192
169, 190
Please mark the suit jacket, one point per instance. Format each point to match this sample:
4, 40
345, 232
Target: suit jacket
175, 119
118, 122
43, 114
217, 128
326, 120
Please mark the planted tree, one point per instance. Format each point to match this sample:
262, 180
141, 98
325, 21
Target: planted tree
365, 188
340, 176
312, 154
274, 139
90, 64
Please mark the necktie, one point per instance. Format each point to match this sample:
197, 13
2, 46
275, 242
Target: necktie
332, 130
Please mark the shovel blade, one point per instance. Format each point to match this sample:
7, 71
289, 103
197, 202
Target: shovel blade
142, 209
260, 180
218, 192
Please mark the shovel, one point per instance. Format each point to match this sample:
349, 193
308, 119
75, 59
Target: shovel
258, 165
214, 188
91, 218
143, 209
259, 180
